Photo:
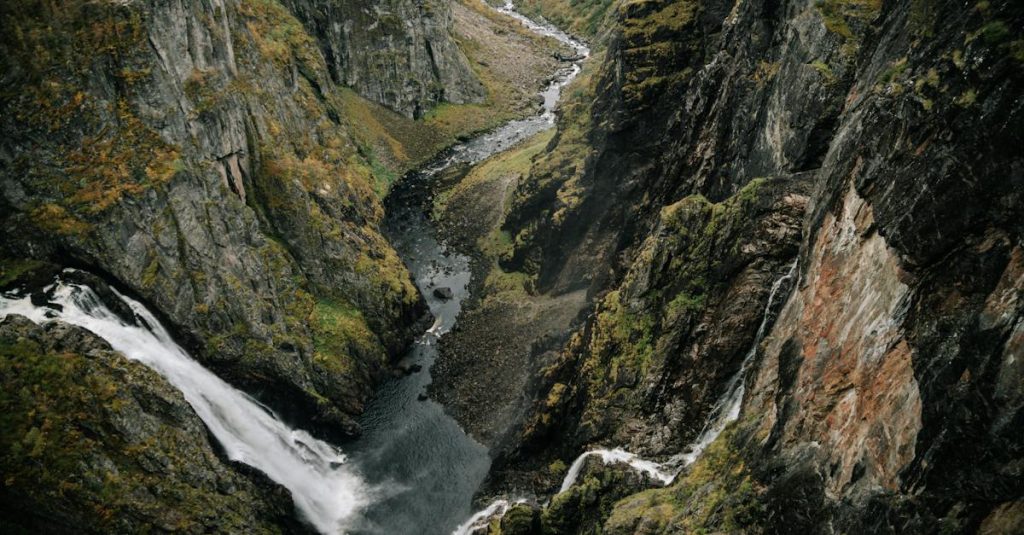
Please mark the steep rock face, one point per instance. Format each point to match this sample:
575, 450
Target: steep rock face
196, 153
660, 345
398, 53
886, 392
95, 443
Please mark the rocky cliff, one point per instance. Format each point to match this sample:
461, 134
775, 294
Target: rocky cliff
203, 154
95, 443
397, 52
875, 145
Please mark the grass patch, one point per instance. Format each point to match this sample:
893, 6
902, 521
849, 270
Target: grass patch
716, 495
847, 18
340, 333
13, 268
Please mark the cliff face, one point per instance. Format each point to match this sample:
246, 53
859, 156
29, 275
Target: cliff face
877, 145
95, 443
199, 153
397, 53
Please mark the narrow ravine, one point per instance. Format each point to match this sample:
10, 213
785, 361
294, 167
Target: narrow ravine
425, 468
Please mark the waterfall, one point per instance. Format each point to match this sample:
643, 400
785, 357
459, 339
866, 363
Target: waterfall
727, 408
725, 411
481, 518
325, 490
651, 468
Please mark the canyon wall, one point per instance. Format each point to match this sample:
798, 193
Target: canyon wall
200, 154
878, 146
397, 53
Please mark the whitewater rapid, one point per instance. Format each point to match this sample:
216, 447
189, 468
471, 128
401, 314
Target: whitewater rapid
326, 492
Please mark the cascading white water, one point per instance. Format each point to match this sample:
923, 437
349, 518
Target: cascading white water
727, 408
327, 493
725, 411
481, 518
651, 468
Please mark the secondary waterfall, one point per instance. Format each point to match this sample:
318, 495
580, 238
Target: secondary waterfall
651, 468
325, 490
482, 518
725, 411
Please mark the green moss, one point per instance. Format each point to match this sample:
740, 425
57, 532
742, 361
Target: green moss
589, 18
557, 468
13, 268
994, 32
847, 18
514, 163
340, 334
628, 338
279, 36
766, 71
716, 495
967, 98
684, 303
824, 70
68, 448
108, 152
893, 72
658, 42
520, 519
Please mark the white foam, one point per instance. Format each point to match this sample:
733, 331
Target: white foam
324, 489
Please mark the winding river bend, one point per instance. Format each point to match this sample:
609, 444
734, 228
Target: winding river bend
423, 465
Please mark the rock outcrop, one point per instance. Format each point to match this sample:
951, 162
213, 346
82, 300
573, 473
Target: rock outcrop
199, 154
886, 396
398, 53
95, 443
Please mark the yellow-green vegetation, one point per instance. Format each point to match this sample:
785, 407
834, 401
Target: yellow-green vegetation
511, 163
562, 165
12, 268
386, 271
393, 143
716, 495
589, 18
496, 177
520, 519
657, 41
766, 71
279, 36
847, 18
626, 340
111, 152
583, 508
824, 70
67, 447
967, 98
340, 334
997, 33
506, 98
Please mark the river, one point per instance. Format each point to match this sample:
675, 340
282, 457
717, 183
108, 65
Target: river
425, 466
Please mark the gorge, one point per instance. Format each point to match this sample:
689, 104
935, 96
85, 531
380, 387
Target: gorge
543, 267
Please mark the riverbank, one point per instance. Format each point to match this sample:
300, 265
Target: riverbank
483, 372
510, 61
